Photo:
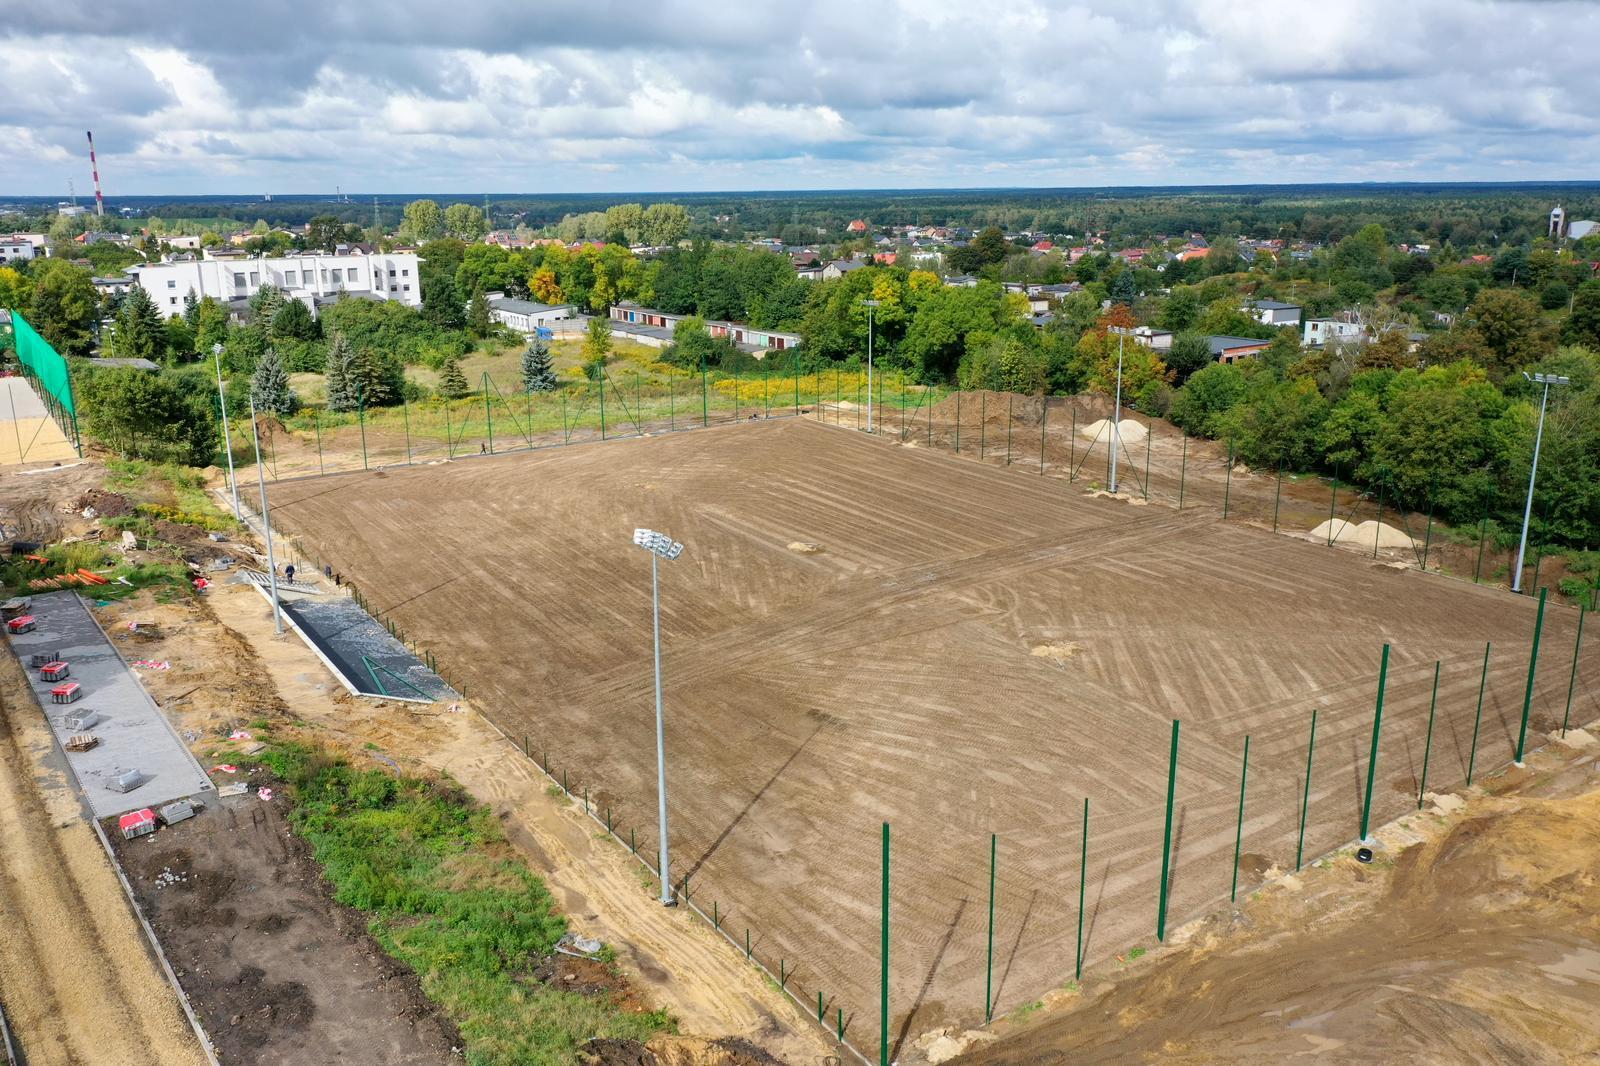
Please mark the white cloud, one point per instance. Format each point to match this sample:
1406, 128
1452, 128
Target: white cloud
573, 95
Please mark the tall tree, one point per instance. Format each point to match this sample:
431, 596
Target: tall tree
478, 320
422, 221
269, 386
537, 373
63, 305
341, 382
293, 321
1583, 325
596, 347
191, 310
139, 332
464, 222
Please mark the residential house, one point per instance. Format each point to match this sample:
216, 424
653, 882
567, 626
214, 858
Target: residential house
1273, 313
1043, 246
1320, 331
1159, 340
524, 316
961, 281
647, 325
839, 268
857, 226
1057, 291
15, 248
1233, 349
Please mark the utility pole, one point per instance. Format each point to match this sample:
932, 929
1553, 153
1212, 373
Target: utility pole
1116, 410
870, 304
266, 522
227, 441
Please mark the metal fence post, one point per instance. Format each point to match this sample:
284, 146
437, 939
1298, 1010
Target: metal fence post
1166, 843
1527, 693
1238, 832
1427, 745
1477, 720
1044, 418
405, 411
958, 422
1083, 877
1149, 435
705, 395
1483, 528
1372, 758
1572, 682
361, 416
488, 411
883, 956
1227, 484
1377, 535
1305, 797
1427, 540
601, 381
983, 423
988, 981
1277, 497
1333, 503
449, 434
316, 423
1183, 470
1010, 403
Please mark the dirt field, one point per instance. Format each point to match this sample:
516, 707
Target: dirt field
861, 633
78, 983
1480, 943
276, 970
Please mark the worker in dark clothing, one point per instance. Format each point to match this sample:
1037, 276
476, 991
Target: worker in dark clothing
288, 573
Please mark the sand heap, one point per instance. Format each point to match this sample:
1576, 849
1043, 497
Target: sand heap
995, 409
1368, 534
1128, 430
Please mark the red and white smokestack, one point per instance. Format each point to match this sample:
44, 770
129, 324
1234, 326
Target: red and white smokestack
94, 167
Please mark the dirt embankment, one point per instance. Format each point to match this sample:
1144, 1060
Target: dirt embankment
1480, 943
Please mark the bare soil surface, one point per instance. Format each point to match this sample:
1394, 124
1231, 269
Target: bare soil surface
277, 971
890, 675
78, 983
1474, 939
38, 502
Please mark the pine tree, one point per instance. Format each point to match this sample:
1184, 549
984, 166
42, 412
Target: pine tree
537, 373
341, 381
452, 382
269, 387
478, 320
191, 310
139, 332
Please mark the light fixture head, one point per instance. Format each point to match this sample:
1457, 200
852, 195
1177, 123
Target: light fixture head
658, 543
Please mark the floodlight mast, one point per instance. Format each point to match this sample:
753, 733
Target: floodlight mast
227, 441
660, 546
266, 521
869, 304
1116, 409
1533, 473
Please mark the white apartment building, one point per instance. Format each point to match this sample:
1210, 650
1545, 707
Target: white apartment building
311, 277
1320, 331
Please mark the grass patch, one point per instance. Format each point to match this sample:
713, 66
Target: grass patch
167, 490
448, 896
1027, 1009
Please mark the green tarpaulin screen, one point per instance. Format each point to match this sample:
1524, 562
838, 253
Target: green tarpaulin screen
46, 365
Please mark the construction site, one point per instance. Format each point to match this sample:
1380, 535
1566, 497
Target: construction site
860, 634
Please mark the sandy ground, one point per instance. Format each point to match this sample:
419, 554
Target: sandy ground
893, 674
78, 983
228, 667
1474, 939
35, 500
27, 432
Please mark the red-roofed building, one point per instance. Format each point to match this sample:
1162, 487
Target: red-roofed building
1043, 246
857, 226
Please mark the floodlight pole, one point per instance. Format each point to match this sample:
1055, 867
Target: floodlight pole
870, 305
266, 522
227, 441
661, 743
1116, 413
1538, 438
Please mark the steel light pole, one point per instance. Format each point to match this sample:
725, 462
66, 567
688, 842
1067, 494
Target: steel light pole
1116, 410
1538, 438
660, 546
266, 521
227, 441
870, 304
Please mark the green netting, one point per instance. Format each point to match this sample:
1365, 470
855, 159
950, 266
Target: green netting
46, 365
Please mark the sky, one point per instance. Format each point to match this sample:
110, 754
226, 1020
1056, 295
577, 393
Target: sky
202, 96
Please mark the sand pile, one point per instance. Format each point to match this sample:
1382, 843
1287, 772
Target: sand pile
994, 408
1130, 431
1368, 534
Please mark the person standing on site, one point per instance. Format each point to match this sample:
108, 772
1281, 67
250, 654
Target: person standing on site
288, 573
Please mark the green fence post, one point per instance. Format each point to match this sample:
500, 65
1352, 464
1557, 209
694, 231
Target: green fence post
1083, 877
1044, 418
1166, 843
361, 415
838, 398
747, 942
1377, 536
405, 411
1072, 444
1427, 745
705, 394
988, 980
602, 383
1527, 693
1572, 682
840, 1022
1305, 797
1149, 435
983, 423
316, 423
1472, 757
736, 394
1183, 470
566, 434
797, 391
958, 422
716, 916
883, 957
1277, 496
1010, 403
672, 404
819, 1004
488, 411
1372, 757
449, 434
1427, 540
1238, 832
1227, 484
766, 397
633, 844
1333, 502
1483, 528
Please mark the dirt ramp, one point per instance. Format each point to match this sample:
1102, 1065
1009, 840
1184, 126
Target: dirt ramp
676, 1051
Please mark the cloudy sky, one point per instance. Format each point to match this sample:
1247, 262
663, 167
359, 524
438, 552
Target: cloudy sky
210, 96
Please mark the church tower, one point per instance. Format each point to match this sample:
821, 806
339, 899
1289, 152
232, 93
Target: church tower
1558, 223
